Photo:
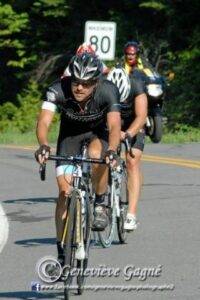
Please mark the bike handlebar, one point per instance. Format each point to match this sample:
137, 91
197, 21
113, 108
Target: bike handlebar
78, 159
42, 171
75, 159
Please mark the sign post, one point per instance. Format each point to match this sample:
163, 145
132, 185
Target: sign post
102, 36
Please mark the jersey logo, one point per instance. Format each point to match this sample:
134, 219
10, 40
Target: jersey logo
51, 97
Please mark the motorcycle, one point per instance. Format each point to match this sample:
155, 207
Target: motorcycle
155, 89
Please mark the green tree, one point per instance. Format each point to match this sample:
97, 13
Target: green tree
38, 37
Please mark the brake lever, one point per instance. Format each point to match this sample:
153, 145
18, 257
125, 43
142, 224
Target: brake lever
128, 148
42, 171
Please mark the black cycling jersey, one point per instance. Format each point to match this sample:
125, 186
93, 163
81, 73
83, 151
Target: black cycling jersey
75, 120
127, 106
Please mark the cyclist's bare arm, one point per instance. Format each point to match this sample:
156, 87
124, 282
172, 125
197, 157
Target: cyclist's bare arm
44, 121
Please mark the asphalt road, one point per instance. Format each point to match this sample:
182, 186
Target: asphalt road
165, 246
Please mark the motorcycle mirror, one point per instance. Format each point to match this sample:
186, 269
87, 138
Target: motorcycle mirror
171, 76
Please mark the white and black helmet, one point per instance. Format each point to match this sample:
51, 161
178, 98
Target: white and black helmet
86, 66
121, 79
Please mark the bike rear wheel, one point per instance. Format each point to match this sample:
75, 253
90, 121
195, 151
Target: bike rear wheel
123, 205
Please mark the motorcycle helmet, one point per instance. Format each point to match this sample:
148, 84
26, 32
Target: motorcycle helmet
85, 48
86, 67
131, 52
121, 79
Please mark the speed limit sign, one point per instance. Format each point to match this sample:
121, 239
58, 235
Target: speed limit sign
101, 35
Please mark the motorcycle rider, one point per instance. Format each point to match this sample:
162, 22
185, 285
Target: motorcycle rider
137, 66
134, 63
133, 102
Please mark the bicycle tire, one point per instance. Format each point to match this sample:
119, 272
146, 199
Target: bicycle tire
123, 205
70, 242
106, 236
82, 264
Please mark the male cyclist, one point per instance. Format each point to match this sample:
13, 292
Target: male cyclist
89, 109
133, 102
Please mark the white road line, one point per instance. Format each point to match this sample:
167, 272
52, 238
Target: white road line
4, 227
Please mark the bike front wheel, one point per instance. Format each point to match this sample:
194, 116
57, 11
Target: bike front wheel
82, 264
70, 242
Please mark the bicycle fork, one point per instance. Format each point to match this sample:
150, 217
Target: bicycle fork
80, 251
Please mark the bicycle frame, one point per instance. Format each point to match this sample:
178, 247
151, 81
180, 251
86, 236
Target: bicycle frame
77, 179
77, 226
118, 178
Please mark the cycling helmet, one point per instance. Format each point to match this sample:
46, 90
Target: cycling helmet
131, 48
85, 48
121, 79
86, 67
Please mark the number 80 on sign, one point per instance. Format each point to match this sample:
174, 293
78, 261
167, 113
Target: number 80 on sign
102, 37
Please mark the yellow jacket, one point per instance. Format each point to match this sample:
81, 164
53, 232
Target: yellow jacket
140, 66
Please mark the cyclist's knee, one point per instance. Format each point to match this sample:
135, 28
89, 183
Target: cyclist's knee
95, 149
62, 200
133, 165
62, 196
134, 162
95, 153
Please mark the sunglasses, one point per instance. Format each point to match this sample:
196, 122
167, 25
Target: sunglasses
76, 82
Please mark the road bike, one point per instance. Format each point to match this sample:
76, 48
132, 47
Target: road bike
117, 200
77, 228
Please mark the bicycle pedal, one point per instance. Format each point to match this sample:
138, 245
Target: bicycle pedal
80, 252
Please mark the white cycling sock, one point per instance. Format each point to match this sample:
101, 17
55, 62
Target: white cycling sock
131, 216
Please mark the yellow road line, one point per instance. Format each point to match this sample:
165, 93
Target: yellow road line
171, 159
25, 147
21, 147
150, 158
183, 163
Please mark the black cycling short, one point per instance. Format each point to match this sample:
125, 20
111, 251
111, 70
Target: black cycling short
71, 145
138, 141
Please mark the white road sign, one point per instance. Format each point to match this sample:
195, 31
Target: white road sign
102, 36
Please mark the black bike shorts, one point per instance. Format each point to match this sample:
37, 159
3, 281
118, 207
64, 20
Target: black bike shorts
71, 146
138, 141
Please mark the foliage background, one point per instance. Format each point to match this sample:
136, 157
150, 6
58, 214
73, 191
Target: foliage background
38, 37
